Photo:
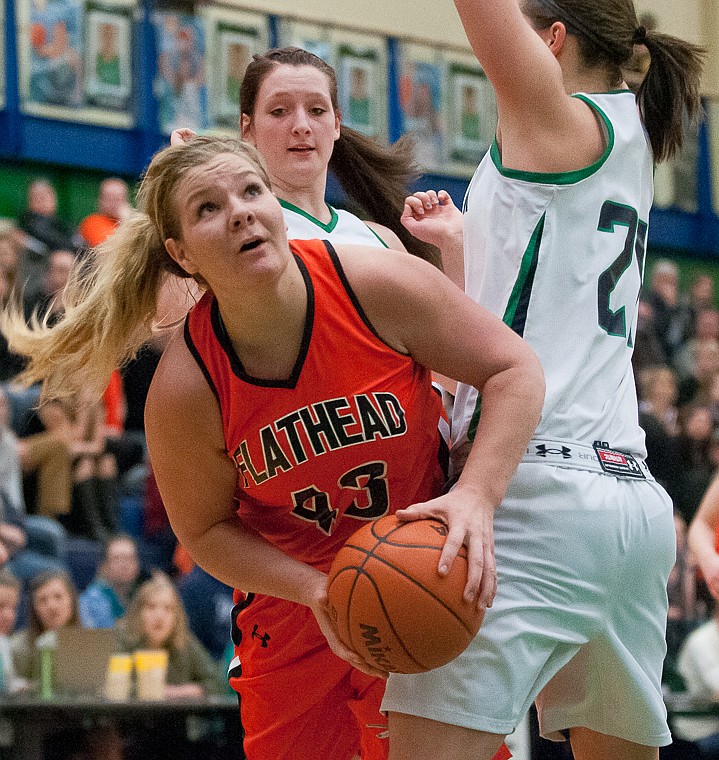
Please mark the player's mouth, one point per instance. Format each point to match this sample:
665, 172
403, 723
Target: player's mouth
302, 148
251, 244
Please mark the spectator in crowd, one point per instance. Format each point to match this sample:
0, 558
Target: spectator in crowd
10, 588
695, 388
106, 599
699, 667
693, 442
53, 604
32, 543
209, 604
156, 619
47, 302
705, 328
672, 318
113, 205
701, 295
40, 219
648, 349
658, 417
686, 609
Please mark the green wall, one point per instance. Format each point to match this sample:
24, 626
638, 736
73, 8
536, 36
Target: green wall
76, 190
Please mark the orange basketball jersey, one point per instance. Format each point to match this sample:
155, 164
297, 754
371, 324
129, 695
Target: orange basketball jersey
350, 436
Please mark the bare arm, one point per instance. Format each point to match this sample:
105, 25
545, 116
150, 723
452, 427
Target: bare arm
197, 482
702, 537
542, 129
418, 310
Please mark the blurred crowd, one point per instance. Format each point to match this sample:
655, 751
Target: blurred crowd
84, 538
75, 480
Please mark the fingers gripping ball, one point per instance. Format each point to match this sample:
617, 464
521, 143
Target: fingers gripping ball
390, 605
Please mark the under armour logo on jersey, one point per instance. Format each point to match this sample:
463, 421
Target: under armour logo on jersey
541, 450
263, 639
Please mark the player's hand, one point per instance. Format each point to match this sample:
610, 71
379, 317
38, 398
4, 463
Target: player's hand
432, 217
470, 522
182, 135
320, 608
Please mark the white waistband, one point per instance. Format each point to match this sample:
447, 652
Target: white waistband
599, 457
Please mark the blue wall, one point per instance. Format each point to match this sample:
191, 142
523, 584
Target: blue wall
126, 152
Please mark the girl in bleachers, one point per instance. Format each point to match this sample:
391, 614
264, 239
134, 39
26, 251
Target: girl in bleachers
156, 619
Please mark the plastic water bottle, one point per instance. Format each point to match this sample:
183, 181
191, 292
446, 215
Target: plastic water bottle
45, 644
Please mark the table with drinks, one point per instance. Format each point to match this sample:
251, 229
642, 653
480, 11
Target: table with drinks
132, 699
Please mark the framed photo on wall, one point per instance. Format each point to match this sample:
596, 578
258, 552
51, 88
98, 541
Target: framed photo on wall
233, 37
314, 38
471, 114
180, 84
74, 60
108, 57
421, 101
361, 66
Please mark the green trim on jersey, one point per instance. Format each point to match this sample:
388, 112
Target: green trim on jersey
326, 227
376, 235
559, 178
515, 315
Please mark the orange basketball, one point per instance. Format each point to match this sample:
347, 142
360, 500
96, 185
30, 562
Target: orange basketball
389, 603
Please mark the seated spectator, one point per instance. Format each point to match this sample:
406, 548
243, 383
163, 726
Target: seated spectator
47, 302
696, 387
40, 218
694, 445
10, 588
699, 666
81, 487
33, 543
53, 604
672, 317
648, 349
209, 604
113, 205
706, 328
156, 619
106, 599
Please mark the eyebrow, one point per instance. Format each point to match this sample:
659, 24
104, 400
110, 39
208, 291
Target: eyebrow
240, 175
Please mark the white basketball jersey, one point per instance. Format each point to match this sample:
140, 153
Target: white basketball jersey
343, 227
560, 258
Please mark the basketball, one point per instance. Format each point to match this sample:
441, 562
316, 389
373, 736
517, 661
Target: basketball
390, 605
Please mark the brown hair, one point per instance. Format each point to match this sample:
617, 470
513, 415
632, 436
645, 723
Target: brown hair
374, 176
607, 32
34, 626
110, 300
131, 623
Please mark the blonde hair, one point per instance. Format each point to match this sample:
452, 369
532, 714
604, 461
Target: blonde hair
131, 623
110, 300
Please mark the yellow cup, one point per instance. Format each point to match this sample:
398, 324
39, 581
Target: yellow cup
118, 682
151, 667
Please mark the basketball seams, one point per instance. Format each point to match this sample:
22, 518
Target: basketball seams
370, 553
398, 612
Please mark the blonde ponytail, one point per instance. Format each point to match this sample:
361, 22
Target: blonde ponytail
109, 304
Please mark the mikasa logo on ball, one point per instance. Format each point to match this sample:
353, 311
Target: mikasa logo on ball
373, 643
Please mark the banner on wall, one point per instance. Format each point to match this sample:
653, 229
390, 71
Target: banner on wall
360, 63
421, 101
471, 115
75, 59
180, 85
233, 38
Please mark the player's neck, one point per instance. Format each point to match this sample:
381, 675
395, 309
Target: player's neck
308, 198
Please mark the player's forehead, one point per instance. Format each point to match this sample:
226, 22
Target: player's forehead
285, 81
